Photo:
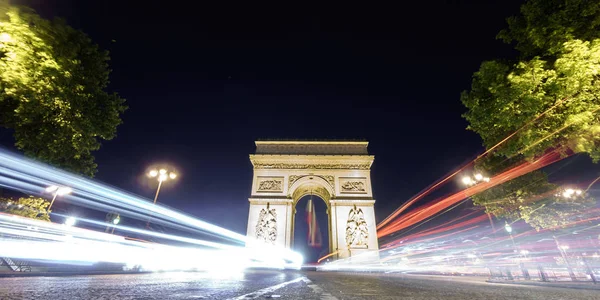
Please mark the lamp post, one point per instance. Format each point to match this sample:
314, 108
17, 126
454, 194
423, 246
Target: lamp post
113, 218
161, 175
508, 229
567, 193
57, 191
563, 252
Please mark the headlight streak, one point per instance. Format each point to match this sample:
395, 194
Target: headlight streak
33, 178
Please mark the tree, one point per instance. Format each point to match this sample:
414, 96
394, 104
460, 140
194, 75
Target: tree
544, 25
548, 99
29, 207
52, 90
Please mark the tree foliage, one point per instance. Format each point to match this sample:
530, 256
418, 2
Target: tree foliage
548, 97
544, 25
29, 207
52, 90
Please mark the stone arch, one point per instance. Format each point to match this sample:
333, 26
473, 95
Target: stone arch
311, 185
314, 184
338, 172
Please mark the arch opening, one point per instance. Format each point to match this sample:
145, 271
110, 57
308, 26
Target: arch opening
311, 228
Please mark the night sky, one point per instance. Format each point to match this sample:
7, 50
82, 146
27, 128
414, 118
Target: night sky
204, 82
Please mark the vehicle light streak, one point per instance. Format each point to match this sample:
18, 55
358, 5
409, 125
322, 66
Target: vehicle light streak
431, 188
441, 204
40, 240
33, 178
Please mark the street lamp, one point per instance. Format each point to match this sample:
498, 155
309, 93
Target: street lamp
70, 221
57, 191
569, 193
509, 229
161, 175
477, 178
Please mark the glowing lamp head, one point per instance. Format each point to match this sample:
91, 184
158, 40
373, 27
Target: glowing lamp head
478, 177
64, 191
116, 220
162, 171
172, 175
578, 192
564, 247
467, 180
162, 177
153, 173
51, 189
508, 228
70, 221
486, 179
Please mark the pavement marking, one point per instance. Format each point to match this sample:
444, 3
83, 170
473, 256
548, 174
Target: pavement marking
270, 289
318, 290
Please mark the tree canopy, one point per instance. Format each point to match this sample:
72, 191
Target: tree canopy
29, 207
548, 97
52, 90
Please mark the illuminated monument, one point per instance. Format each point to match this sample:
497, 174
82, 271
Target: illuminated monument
336, 171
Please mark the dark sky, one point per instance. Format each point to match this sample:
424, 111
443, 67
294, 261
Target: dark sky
204, 82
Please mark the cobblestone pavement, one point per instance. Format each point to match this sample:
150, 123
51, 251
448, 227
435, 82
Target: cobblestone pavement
276, 285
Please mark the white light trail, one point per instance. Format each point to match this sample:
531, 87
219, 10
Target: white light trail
33, 178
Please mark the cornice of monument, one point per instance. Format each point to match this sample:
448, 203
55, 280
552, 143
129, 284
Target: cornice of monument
282, 161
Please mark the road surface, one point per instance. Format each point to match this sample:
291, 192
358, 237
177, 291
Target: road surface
259, 284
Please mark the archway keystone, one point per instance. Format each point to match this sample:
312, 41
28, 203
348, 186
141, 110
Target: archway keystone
336, 171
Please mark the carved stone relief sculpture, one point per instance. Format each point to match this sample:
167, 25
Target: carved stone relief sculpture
353, 186
266, 227
357, 233
270, 185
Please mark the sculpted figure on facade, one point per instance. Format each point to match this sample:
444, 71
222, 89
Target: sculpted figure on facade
357, 233
266, 227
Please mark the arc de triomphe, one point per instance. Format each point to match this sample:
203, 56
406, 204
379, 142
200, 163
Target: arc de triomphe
336, 171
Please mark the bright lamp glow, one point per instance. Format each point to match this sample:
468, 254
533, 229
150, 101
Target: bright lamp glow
162, 177
162, 171
116, 221
51, 188
508, 228
478, 176
64, 191
524, 252
467, 180
172, 175
153, 173
564, 247
70, 221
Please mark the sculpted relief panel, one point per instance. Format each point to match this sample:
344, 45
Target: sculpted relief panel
329, 178
270, 184
353, 185
266, 227
357, 233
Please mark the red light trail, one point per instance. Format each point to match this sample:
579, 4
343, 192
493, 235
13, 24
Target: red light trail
429, 210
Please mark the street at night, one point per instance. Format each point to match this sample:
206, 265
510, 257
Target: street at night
278, 285
217, 150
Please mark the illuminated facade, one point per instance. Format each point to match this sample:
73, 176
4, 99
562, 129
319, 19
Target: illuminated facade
338, 172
